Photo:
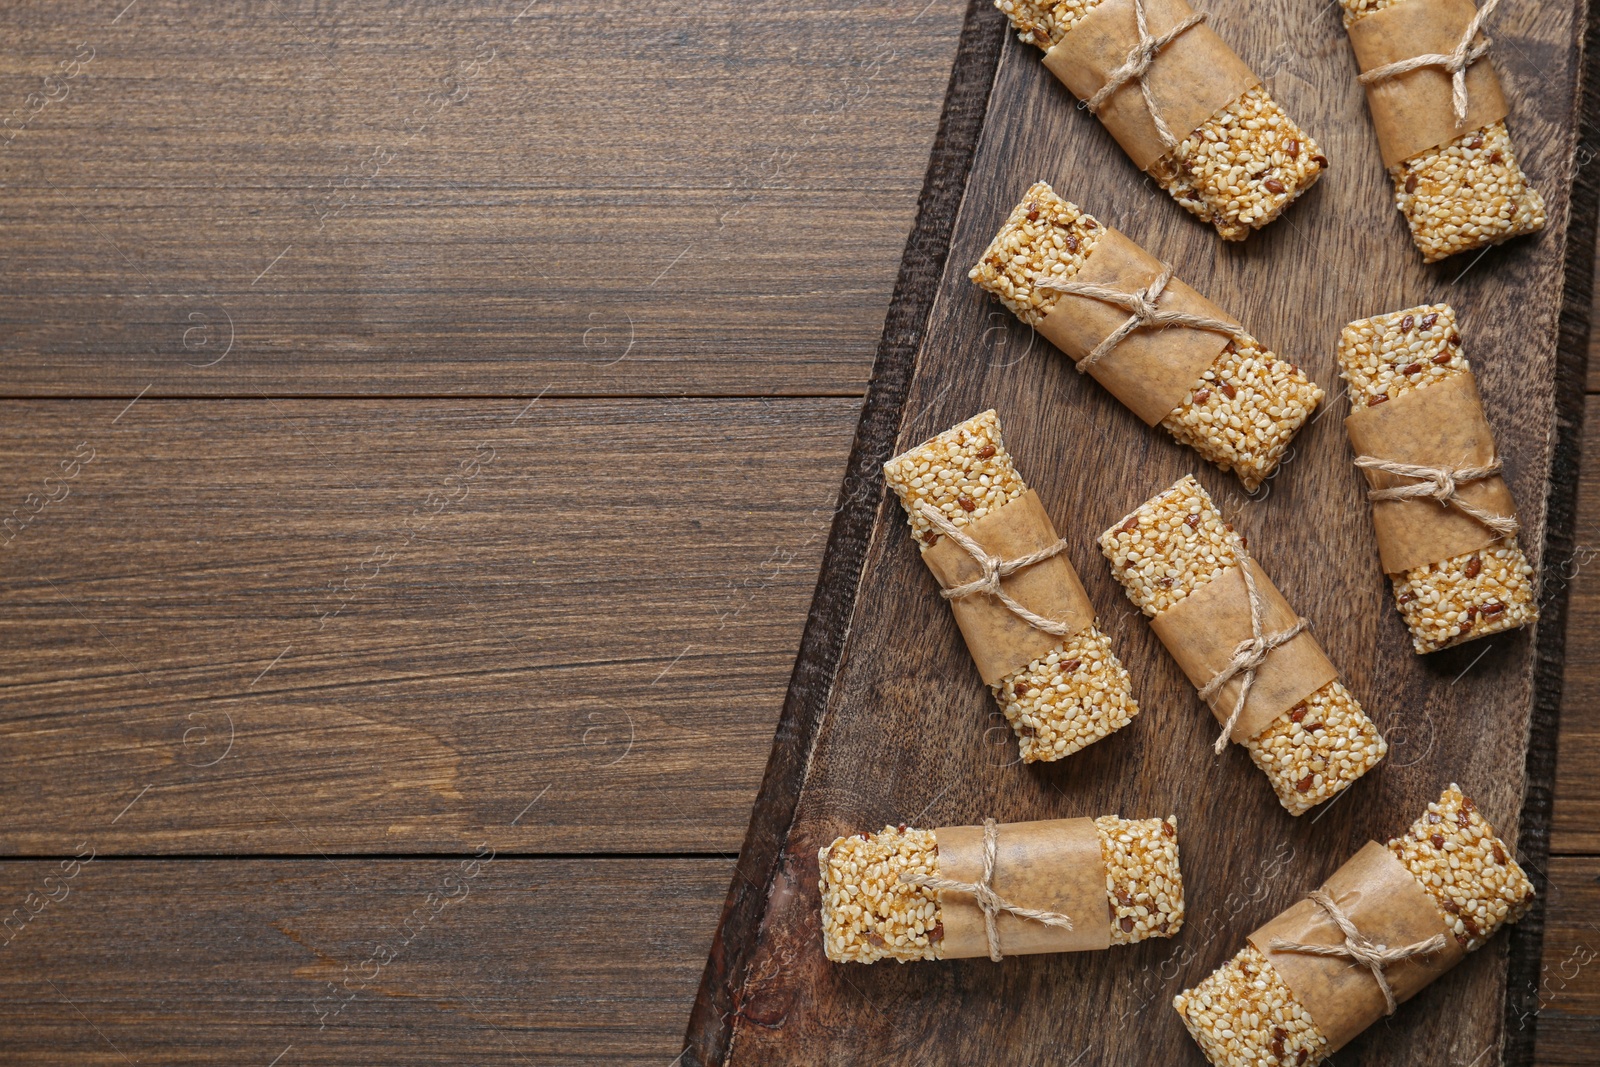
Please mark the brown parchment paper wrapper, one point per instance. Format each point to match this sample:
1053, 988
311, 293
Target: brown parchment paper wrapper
1054, 865
1390, 907
1202, 630
1413, 112
1442, 425
999, 641
1151, 370
1190, 80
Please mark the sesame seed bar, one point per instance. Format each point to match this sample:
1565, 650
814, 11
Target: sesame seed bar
1077, 693
1321, 745
1465, 194
965, 473
1069, 699
1357, 9
1170, 547
1470, 873
1468, 596
1246, 407
1045, 236
1144, 887
1238, 171
1043, 22
868, 914
1244, 1015
1245, 410
1243, 168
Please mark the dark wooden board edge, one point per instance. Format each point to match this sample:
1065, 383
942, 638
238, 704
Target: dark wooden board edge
922, 265
1561, 502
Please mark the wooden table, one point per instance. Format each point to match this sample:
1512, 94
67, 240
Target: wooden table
422, 429
456, 397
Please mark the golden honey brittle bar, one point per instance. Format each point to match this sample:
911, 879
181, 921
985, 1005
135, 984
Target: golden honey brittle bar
1465, 194
1077, 693
1245, 1015
1470, 873
1144, 886
869, 914
1474, 594
1170, 547
1238, 171
1246, 407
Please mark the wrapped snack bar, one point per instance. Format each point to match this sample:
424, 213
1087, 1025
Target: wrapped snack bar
1032, 634
1440, 117
1062, 885
1171, 356
1195, 118
1386, 924
1445, 521
1251, 657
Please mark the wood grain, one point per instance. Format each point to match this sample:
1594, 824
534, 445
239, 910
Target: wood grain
828, 624
1575, 825
381, 626
907, 734
1527, 955
386, 197
1592, 382
381, 198
487, 958
303, 626
1566, 994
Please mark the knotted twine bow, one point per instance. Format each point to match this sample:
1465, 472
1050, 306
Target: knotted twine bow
982, 891
1134, 68
1455, 64
1443, 484
1249, 654
995, 568
1141, 308
1359, 948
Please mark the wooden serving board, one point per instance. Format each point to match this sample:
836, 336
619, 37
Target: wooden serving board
888, 722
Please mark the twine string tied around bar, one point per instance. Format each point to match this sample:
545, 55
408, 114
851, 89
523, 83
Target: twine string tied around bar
995, 568
1142, 308
1137, 65
1442, 484
988, 901
1359, 948
1249, 654
1454, 64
